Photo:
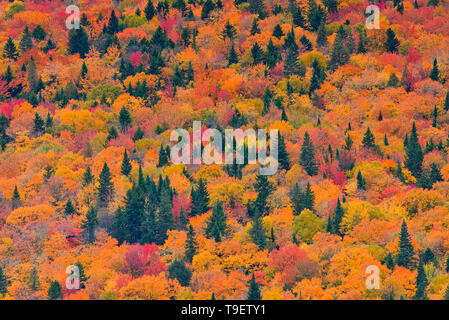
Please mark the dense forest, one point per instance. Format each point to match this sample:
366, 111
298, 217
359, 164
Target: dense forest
87, 180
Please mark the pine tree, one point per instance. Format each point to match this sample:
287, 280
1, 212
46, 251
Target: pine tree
126, 166
392, 43
124, 118
435, 174
435, 73
264, 188
307, 157
283, 157
78, 42
33, 280
406, 252
191, 246
216, 224
55, 291
272, 54
254, 291
361, 183
338, 218
421, 283
308, 198
39, 33
257, 54
316, 15
257, 232
106, 186
368, 139
10, 51
446, 102
435, 117
165, 216
83, 70
3, 282
89, 223
200, 199
414, 154
386, 143
318, 76
26, 42
88, 176
149, 10
329, 226
113, 26
296, 199
69, 209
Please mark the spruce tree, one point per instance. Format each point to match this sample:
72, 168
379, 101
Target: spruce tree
15, 198
277, 32
392, 43
55, 291
26, 42
124, 118
4, 282
106, 186
389, 262
421, 283
414, 155
361, 183
39, 33
149, 10
254, 28
307, 157
200, 199
435, 73
89, 223
69, 209
39, 124
338, 218
10, 51
113, 26
191, 246
272, 54
165, 215
33, 280
88, 176
406, 252
283, 157
321, 40
340, 53
257, 232
233, 57
316, 15
368, 139
254, 291
78, 42
216, 224
126, 166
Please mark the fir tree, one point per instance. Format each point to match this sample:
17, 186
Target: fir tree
78, 42
368, 139
257, 54
83, 70
446, 102
254, 291
26, 42
191, 246
257, 232
82, 275
126, 164
340, 53
124, 118
435, 174
200, 199
55, 291
138, 134
15, 198
216, 224
393, 81
386, 143
165, 216
283, 157
406, 252
435, 73
69, 209
33, 280
255, 28
149, 10
389, 262
414, 154
435, 117
39, 33
113, 26
178, 270
316, 15
306, 43
307, 157
361, 183
39, 124
338, 218
87, 176
106, 187
421, 283
271, 55
321, 40
10, 51
277, 32
233, 57
392, 43
208, 7
89, 223
4, 282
